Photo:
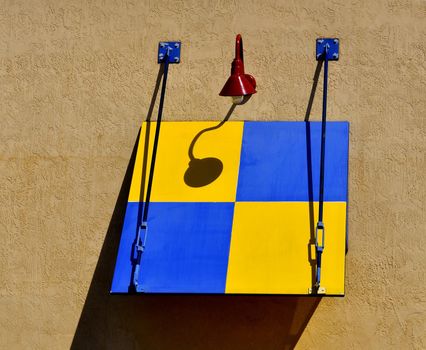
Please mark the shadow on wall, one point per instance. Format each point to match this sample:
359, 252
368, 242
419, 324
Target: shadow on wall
183, 321
204, 171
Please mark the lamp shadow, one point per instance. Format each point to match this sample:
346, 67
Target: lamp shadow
202, 172
184, 321
311, 243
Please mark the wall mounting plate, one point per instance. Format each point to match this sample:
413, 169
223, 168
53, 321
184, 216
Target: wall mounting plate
173, 50
332, 45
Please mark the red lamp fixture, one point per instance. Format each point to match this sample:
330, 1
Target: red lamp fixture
239, 86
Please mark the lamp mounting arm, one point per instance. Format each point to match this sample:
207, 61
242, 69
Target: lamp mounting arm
239, 53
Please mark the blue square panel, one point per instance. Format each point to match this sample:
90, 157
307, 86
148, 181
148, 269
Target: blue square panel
280, 161
186, 248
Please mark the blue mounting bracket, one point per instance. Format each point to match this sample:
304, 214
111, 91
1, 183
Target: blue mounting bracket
327, 48
139, 247
169, 49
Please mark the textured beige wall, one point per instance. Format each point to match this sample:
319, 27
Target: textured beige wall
77, 79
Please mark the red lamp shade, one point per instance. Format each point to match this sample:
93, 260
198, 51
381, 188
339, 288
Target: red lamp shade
239, 83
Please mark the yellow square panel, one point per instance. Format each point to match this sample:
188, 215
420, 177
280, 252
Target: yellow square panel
196, 162
272, 248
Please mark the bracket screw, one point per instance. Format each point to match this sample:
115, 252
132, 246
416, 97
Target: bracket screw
176, 59
335, 55
336, 41
162, 44
176, 45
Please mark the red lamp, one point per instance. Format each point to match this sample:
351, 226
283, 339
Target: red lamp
239, 85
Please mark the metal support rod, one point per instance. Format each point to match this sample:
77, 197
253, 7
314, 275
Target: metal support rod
142, 229
156, 137
323, 129
319, 241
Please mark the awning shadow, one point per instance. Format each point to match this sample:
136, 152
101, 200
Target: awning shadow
196, 322
183, 321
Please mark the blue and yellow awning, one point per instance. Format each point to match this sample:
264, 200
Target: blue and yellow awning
233, 210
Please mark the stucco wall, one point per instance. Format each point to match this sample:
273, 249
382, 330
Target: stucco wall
77, 79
